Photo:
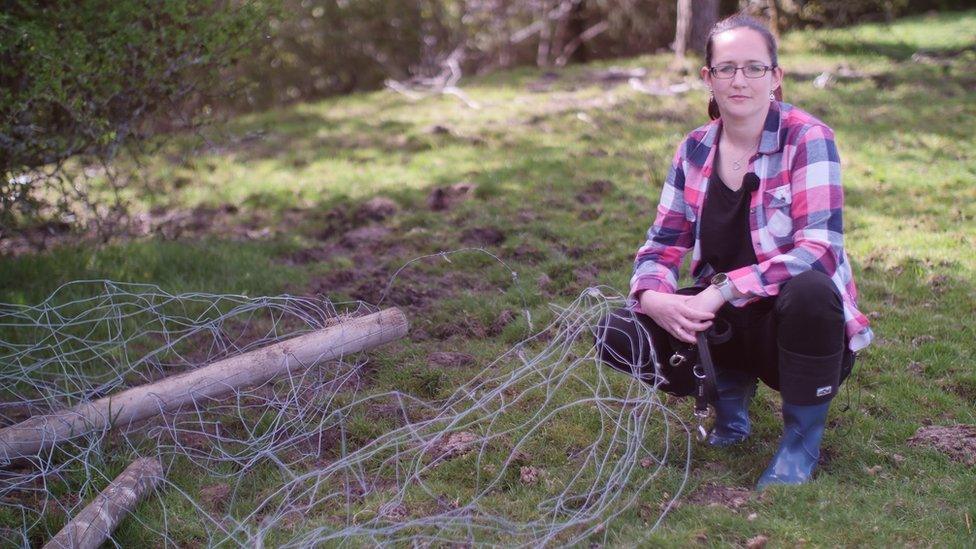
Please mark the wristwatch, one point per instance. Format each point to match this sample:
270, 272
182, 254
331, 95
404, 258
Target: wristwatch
722, 283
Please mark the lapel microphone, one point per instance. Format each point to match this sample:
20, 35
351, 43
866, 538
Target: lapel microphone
751, 182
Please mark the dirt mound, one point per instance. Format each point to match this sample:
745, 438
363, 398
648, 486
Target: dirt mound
483, 236
757, 542
504, 319
215, 496
529, 474
453, 445
595, 191
365, 236
732, 497
958, 441
445, 198
377, 209
449, 359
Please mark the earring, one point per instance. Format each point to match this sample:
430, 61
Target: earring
711, 94
772, 96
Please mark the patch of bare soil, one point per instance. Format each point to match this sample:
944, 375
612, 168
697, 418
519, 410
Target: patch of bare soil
445, 198
921, 340
370, 236
574, 252
482, 236
595, 191
395, 512
397, 412
377, 209
504, 319
168, 224
530, 475
757, 542
449, 359
958, 441
528, 253
411, 288
452, 446
214, 496
732, 497
583, 277
589, 214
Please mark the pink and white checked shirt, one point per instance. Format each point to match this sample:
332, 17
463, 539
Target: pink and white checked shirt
796, 215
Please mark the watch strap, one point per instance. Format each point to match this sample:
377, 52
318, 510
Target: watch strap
726, 290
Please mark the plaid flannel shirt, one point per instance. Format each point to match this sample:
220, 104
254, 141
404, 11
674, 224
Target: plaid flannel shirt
796, 216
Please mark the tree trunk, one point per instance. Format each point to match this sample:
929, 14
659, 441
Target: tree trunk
193, 389
703, 18
545, 38
682, 28
775, 25
576, 29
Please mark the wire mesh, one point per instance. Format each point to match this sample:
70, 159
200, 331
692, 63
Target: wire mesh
542, 446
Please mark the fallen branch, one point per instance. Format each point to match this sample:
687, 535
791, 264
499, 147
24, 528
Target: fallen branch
575, 43
444, 83
96, 522
213, 381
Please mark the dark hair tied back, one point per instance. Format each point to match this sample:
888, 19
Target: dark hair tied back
734, 22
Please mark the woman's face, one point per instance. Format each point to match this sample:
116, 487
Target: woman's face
740, 96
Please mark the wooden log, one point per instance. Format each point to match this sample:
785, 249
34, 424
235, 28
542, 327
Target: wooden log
195, 387
96, 522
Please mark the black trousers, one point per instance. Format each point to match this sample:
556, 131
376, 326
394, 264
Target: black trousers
794, 342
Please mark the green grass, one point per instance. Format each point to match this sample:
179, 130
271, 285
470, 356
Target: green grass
907, 144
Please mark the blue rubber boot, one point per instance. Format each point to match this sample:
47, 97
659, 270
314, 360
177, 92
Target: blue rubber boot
735, 390
799, 449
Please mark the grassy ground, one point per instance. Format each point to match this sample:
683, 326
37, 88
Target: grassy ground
271, 205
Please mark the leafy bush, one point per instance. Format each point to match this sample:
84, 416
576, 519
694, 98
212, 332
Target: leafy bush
84, 79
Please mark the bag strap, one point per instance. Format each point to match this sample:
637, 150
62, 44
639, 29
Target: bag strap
703, 369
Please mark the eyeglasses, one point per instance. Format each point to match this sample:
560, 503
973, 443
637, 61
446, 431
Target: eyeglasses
727, 70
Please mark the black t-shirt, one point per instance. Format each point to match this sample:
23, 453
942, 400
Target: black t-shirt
726, 243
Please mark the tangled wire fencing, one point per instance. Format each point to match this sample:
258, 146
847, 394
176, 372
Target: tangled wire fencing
326, 454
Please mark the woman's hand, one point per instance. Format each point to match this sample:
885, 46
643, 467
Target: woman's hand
674, 313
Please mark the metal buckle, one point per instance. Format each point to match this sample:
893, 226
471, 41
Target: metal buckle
700, 429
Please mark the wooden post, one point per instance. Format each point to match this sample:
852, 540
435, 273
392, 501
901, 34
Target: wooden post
194, 388
96, 522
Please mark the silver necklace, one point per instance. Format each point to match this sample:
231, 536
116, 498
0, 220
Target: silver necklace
737, 164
